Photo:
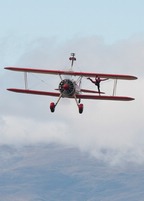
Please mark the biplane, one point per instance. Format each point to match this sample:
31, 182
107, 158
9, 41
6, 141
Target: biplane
71, 87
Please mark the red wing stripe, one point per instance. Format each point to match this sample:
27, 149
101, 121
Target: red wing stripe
79, 96
60, 72
114, 98
44, 93
90, 91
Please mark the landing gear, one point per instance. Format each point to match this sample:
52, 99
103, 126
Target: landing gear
80, 107
67, 89
52, 107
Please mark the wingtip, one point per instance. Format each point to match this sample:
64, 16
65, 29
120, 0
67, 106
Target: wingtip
8, 68
10, 89
132, 99
13, 89
135, 78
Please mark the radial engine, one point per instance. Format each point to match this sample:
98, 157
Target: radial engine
67, 87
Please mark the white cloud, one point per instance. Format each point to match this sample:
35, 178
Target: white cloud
110, 131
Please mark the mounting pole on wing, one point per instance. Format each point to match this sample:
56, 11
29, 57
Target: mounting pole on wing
72, 59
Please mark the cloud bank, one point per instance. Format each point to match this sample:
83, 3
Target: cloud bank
109, 131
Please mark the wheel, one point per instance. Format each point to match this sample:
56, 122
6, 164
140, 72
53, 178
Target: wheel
80, 108
52, 107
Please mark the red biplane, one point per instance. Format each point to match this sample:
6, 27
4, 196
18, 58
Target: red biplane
71, 88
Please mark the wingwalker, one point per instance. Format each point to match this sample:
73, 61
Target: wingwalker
71, 87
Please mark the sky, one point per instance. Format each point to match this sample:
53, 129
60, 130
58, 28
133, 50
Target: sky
107, 37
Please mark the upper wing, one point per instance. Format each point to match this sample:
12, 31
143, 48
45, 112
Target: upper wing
79, 96
74, 73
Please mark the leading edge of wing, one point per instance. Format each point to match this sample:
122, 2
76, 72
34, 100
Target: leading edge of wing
34, 92
79, 96
103, 97
74, 73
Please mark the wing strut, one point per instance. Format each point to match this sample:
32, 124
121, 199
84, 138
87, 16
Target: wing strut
26, 80
115, 86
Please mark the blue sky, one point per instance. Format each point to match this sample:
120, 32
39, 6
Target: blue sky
108, 37
112, 20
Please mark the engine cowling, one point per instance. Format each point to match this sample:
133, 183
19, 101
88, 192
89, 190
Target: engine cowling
67, 87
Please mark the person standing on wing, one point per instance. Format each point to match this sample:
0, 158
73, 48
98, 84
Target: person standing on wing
97, 82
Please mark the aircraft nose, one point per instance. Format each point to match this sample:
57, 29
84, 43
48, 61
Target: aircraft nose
65, 86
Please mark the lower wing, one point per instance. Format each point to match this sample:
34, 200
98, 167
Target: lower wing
79, 96
90, 91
